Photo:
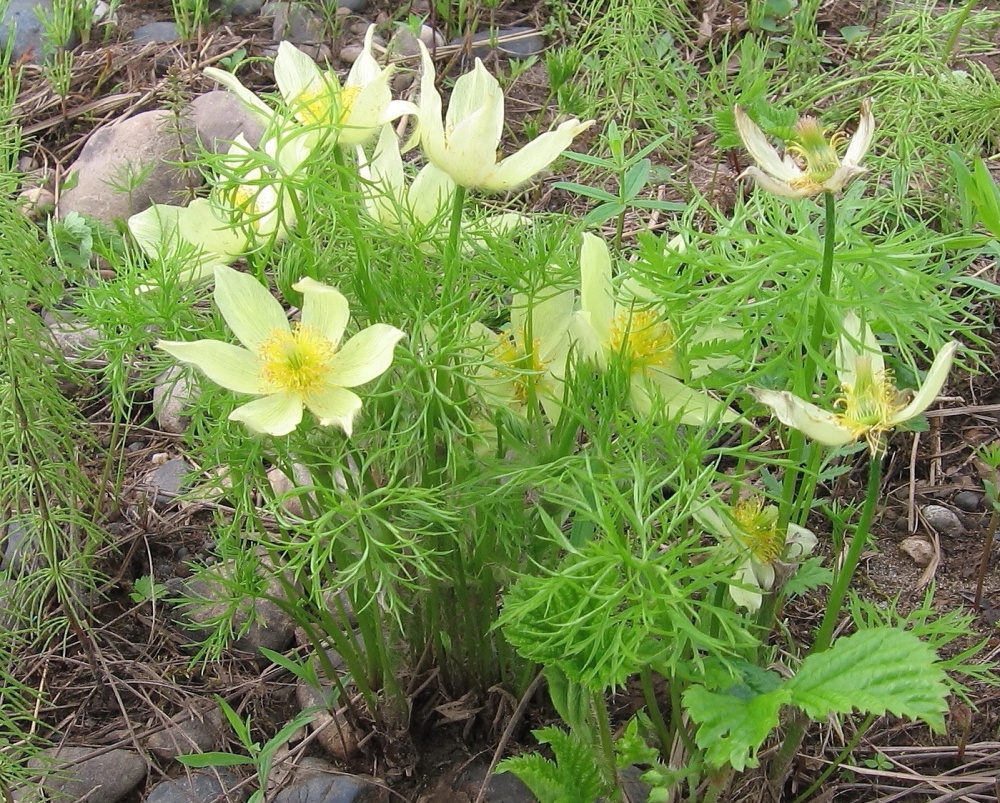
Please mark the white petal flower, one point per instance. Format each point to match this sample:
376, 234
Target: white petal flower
823, 171
465, 143
638, 334
870, 404
290, 367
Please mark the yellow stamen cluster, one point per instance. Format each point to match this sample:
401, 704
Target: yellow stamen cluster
758, 529
517, 363
869, 406
322, 103
819, 153
244, 199
642, 338
297, 361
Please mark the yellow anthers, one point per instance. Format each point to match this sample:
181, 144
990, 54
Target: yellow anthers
758, 529
297, 361
642, 338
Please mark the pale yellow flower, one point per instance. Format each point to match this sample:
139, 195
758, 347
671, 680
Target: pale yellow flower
639, 335
751, 528
289, 367
870, 404
351, 114
810, 164
464, 144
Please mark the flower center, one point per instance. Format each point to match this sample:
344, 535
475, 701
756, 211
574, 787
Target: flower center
324, 103
512, 355
244, 200
296, 361
818, 152
642, 338
870, 404
758, 525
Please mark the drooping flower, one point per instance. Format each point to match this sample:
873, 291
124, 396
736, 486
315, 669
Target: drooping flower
465, 143
251, 204
870, 404
351, 114
638, 334
811, 164
529, 356
419, 208
289, 367
761, 547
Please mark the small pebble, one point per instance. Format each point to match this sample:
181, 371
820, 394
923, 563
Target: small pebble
942, 520
968, 501
918, 548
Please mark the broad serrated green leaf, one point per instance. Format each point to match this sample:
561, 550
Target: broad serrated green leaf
732, 728
874, 671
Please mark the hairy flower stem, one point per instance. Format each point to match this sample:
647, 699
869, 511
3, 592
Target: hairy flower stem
607, 744
825, 281
782, 762
451, 266
363, 279
655, 715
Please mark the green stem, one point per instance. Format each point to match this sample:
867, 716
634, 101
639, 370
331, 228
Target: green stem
843, 580
454, 240
655, 715
352, 220
607, 743
825, 282
848, 749
949, 48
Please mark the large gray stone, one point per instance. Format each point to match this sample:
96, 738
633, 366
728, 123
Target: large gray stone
22, 22
219, 117
204, 786
71, 773
319, 787
189, 732
153, 32
522, 42
139, 152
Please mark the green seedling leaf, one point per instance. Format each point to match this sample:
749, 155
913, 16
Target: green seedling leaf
635, 179
733, 724
603, 213
810, 574
875, 671
587, 192
854, 33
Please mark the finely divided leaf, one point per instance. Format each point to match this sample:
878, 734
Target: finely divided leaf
877, 670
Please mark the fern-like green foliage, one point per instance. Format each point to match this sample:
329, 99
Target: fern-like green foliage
572, 778
879, 670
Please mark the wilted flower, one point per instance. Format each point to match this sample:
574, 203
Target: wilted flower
637, 333
870, 404
752, 528
290, 367
810, 164
353, 112
418, 208
465, 143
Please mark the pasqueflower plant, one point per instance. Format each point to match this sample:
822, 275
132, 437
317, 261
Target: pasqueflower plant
290, 367
638, 334
351, 114
870, 404
465, 143
810, 164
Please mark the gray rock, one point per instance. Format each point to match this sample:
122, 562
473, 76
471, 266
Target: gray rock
74, 338
298, 24
20, 546
239, 8
22, 22
404, 44
332, 729
942, 520
522, 43
203, 786
968, 501
72, 773
269, 627
219, 117
284, 489
354, 6
502, 788
134, 153
167, 480
919, 549
191, 732
173, 393
151, 32
315, 786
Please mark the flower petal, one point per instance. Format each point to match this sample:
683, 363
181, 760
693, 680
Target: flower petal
367, 111
774, 186
232, 83
533, 157
431, 125
248, 307
931, 387
295, 73
810, 420
862, 139
365, 68
277, 414
799, 543
365, 356
430, 194
763, 153
230, 366
857, 348
324, 309
743, 594
595, 286
470, 150
477, 94
658, 393
334, 406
